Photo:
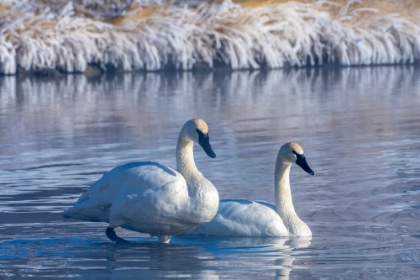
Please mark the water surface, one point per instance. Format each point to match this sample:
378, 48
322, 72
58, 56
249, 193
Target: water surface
360, 129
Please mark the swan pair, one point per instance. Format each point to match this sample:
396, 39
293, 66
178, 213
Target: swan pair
151, 198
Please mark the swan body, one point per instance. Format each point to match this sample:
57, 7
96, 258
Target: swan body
149, 197
247, 218
244, 218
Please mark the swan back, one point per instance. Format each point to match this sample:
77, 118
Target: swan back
241, 218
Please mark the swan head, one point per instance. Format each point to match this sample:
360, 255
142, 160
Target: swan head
197, 130
293, 153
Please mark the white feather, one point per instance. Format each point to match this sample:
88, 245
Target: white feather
151, 198
246, 218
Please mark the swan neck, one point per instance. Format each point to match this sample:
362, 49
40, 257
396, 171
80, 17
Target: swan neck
284, 202
185, 163
204, 198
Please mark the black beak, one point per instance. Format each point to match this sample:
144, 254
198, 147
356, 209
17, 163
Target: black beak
204, 141
301, 161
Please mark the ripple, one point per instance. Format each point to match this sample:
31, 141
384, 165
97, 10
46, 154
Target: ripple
359, 137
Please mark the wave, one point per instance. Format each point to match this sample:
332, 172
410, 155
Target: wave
156, 34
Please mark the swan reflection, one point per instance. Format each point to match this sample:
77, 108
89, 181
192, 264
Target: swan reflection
195, 258
253, 253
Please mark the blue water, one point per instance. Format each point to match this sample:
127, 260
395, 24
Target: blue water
360, 128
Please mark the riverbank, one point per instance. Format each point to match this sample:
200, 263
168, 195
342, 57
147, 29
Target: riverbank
84, 37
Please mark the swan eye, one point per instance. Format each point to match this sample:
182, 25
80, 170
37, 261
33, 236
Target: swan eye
301, 156
201, 135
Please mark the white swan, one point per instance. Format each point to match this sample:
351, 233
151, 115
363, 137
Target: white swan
148, 197
248, 218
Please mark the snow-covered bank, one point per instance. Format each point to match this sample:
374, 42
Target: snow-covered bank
154, 35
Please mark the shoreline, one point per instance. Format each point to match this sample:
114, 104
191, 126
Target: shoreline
92, 73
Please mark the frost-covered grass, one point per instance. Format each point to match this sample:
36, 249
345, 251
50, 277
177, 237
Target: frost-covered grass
156, 34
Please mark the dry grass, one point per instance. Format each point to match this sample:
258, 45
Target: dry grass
386, 5
154, 34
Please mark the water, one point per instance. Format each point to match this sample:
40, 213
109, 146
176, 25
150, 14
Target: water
360, 129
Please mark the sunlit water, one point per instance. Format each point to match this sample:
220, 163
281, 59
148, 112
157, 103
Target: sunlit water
360, 128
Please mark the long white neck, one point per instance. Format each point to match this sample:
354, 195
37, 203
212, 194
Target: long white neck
284, 203
204, 196
185, 157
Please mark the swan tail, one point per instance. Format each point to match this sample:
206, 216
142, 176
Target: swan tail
88, 210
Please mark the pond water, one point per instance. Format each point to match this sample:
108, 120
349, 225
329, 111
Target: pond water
360, 128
